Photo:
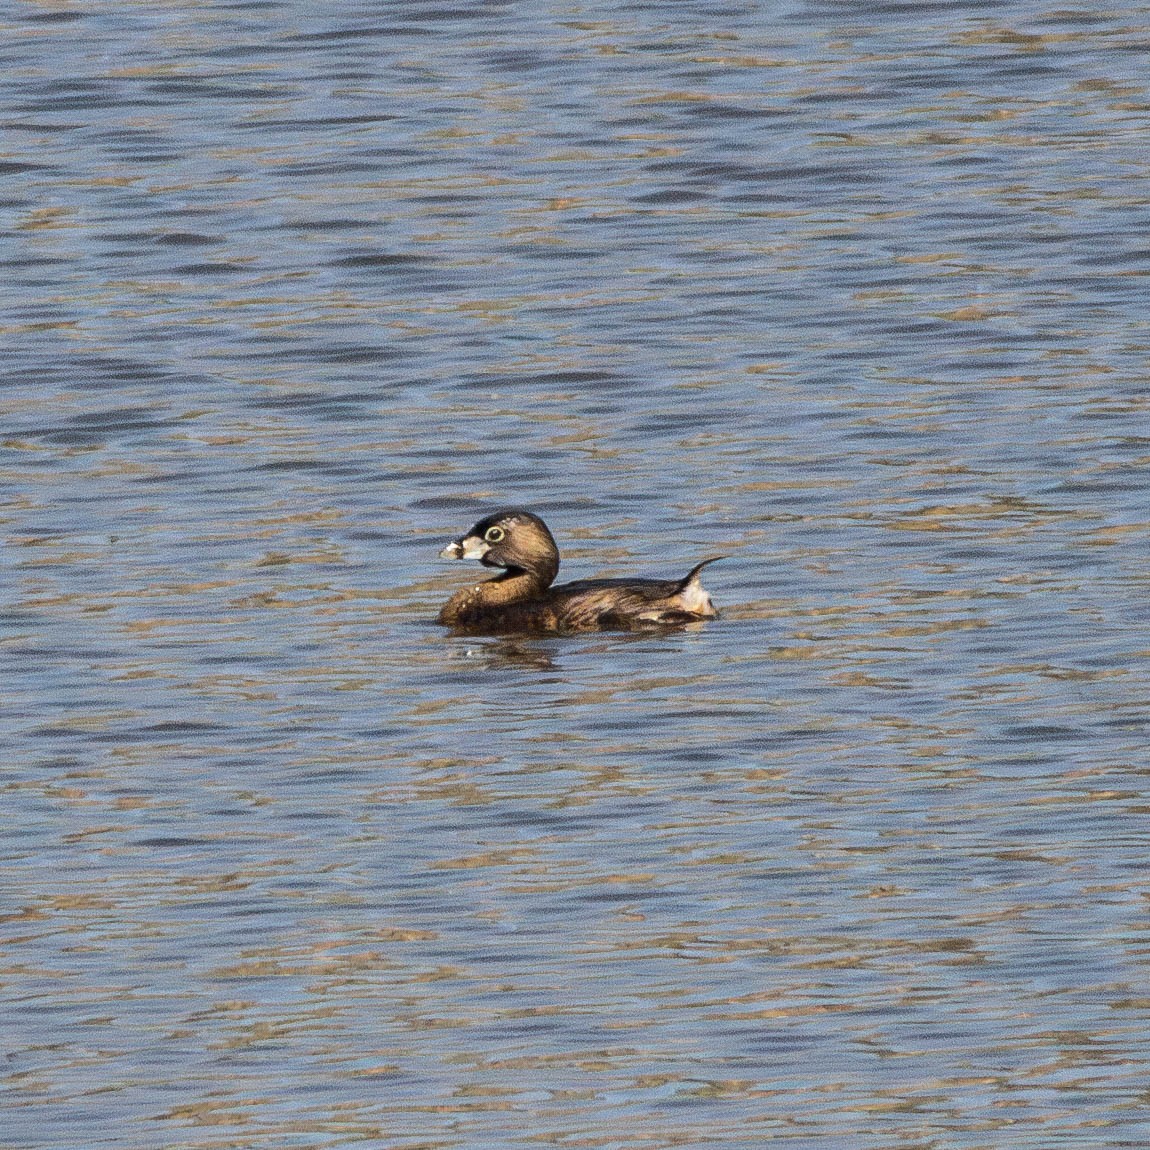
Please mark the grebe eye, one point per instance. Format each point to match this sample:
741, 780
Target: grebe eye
494, 534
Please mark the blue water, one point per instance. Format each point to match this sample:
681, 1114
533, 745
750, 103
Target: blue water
291, 295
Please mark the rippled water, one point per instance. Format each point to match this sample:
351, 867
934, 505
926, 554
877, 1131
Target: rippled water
853, 294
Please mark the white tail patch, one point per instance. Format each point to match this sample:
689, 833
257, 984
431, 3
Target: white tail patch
692, 595
695, 599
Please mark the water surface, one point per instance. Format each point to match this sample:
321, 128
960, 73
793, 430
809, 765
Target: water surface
291, 295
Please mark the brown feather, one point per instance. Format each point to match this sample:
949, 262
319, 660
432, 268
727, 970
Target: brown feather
521, 599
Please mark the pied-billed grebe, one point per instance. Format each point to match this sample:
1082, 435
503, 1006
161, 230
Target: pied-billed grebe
522, 599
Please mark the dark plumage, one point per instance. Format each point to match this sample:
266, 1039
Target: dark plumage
521, 599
